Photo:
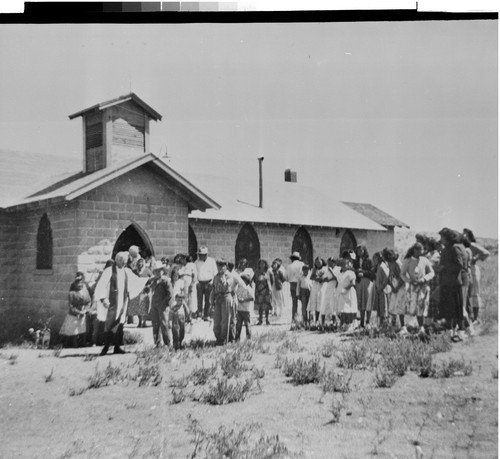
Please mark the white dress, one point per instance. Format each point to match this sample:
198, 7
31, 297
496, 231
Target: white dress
347, 293
329, 294
316, 292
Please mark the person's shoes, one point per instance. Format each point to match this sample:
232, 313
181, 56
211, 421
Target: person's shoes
267, 322
119, 350
104, 351
259, 322
205, 318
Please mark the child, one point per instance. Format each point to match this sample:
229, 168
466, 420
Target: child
318, 272
245, 296
398, 296
304, 286
382, 289
262, 282
178, 315
348, 300
328, 307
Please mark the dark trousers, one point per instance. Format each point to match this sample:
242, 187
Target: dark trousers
203, 289
159, 319
113, 338
242, 318
178, 330
304, 299
223, 318
295, 299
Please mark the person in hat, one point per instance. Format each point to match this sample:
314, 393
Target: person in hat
206, 269
222, 301
161, 293
294, 271
115, 287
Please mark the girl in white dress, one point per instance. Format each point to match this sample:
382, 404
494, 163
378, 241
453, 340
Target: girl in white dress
348, 300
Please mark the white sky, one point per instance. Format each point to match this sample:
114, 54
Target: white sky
403, 115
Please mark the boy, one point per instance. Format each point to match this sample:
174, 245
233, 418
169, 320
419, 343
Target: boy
246, 298
304, 286
178, 315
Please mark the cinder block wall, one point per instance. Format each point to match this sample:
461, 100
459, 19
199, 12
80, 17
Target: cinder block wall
84, 232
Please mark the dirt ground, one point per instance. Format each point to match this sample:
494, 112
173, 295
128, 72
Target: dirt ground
452, 417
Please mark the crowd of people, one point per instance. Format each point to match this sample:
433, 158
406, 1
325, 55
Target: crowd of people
437, 282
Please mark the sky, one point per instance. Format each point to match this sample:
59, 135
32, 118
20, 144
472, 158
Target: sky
402, 115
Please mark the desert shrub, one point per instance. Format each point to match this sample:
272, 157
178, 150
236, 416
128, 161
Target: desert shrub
290, 344
75, 392
304, 371
149, 375
89, 357
200, 376
247, 441
357, 354
231, 363
335, 382
384, 377
178, 396
179, 383
440, 343
109, 376
336, 409
132, 337
328, 349
259, 373
57, 350
150, 355
12, 359
224, 391
453, 367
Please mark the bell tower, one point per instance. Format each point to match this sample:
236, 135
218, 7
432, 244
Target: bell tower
115, 131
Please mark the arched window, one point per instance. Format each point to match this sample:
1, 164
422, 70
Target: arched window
134, 235
44, 244
302, 243
192, 243
348, 242
247, 246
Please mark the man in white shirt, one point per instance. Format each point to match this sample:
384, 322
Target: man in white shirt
293, 273
206, 269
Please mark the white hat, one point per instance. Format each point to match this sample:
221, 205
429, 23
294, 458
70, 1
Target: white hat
203, 250
295, 255
158, 265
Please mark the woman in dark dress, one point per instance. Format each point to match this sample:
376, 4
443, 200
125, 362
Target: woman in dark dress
452, 265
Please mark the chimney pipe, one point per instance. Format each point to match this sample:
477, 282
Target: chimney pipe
261, 198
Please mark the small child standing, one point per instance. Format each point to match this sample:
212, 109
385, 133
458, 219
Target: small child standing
246, 298
178, 315
304, 286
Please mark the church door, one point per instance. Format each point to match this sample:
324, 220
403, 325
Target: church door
134, 235
192, 243
348, 242
302, 243
247, 246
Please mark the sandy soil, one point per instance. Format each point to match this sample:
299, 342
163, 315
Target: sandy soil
454, 417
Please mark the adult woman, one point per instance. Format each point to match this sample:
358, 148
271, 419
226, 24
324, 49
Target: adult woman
417, 272
262, 282
452, 265
329, 300
139, 306
317, 277
363, 267
397, 299
382, 289
74, 327
277, 277
479, 253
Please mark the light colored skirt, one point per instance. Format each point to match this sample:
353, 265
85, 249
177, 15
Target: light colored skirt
418, 300
329, 299
397, 302
315, 298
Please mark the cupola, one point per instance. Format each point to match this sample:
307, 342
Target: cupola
115, 131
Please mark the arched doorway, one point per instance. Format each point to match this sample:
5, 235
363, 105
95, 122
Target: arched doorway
192, 243
302, 243
134, 235
348, 242
247, 246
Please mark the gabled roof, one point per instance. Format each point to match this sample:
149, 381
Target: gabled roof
69, 186
283, 203
375, 214
119, 100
